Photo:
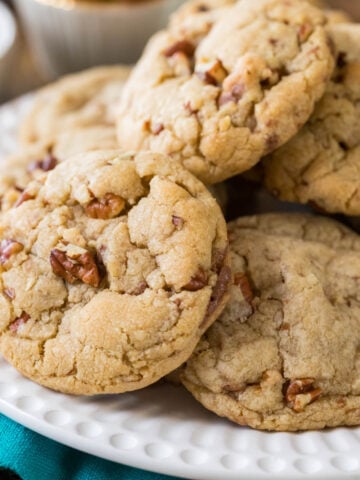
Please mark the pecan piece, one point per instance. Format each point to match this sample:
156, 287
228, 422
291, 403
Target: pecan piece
9, 248
242, 281
234, 95
14, 326
219, 291
181, 46
212, 73
24, 197
304, 31
202, 8
10, 293
48, 163
197, 281
218, 259
140, 288
301, 392
190, 109
78, 267
157, 128
108, 207
178, 222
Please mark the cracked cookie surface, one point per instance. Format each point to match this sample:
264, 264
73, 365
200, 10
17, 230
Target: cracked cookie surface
33, 161
285, 353
208, 95
79, 100
321, 163
205, 11
111, 269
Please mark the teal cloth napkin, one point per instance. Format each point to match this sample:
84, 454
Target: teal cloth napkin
34, 457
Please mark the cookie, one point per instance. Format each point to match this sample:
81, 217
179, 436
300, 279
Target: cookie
19, 169
284, 355
320, 165
214, 99
79, 100
111, 271
337, 16
205, 11
200, 12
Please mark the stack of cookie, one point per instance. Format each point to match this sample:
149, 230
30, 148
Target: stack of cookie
116, 262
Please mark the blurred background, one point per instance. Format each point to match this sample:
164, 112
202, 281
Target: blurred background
41, 40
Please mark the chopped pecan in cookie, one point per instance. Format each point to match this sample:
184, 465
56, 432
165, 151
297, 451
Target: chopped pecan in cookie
76, 267
157, 128
108, 207
8, 248
304, 31
14, 326
212, 73
46, 164
181, 46
299, 393
154, 128
218, 259
220, 289
197, 281
9, 293
177, 221
140, 288
24, 197
242, 281
234, 95
203, 8
188, 107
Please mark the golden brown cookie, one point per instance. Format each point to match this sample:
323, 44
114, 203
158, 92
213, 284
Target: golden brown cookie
321, 164
208, 95
84, 99
284, 355
31, 162
111, 270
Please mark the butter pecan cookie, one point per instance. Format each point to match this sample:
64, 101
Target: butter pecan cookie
110, 272
79, 100
31, 162
321, 164
205, 11
201, 12
285, 353
211, 97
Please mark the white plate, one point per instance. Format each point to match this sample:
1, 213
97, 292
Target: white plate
162, 428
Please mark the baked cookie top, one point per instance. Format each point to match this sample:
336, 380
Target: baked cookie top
202, 11
208, 95
284, 355
198, 11
321, 163
31, 162
79, 100
110, 272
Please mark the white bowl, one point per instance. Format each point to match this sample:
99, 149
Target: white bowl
67, 36
7, 45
